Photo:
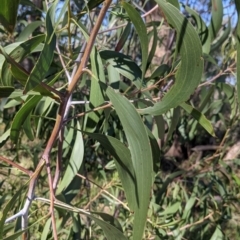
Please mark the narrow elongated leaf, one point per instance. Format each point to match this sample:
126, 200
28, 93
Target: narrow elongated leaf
43, 64
141, 154
28, 30
217, 233
202, 30
230, 92
96, 95
174, 121
153, 46
123, 37
110, 219
46, 229
171, 209
75, 161
110, 231
8, 14
216, 19
90, 5
141, 31
223, 37
4, 137
17, 53
189, 73
21, 115
27, 127
201, 119
114, 77
124, 165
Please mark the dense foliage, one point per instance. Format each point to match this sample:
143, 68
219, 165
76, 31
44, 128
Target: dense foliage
119, 119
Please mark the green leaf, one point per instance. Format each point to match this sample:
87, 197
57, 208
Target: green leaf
190, 71
90, 5
110, 231
27, 127
202, 30
175, 3
191, 201
141, 154
8, 14
174, 122
216, 19
153, 46
110, 219
201, 119
230, 92
96, 95
4, 137
114, 77
141, 31
223, 37
17, 52
46, 229
28, 30
123, 162
217, 233
21, 115
123, 38
75, 162
171, 209
43, 64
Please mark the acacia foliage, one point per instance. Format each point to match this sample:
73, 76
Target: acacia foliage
106, 115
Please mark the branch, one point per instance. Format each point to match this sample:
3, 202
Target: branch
59, 124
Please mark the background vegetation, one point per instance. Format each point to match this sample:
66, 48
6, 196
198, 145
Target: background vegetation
119, 119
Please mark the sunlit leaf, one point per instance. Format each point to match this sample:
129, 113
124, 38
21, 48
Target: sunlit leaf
75, 161
216, 19
141, 154
27, 127
201, 119
21, 115
190, 70
43, 64
28, 30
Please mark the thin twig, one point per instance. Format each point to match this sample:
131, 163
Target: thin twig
19, 167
